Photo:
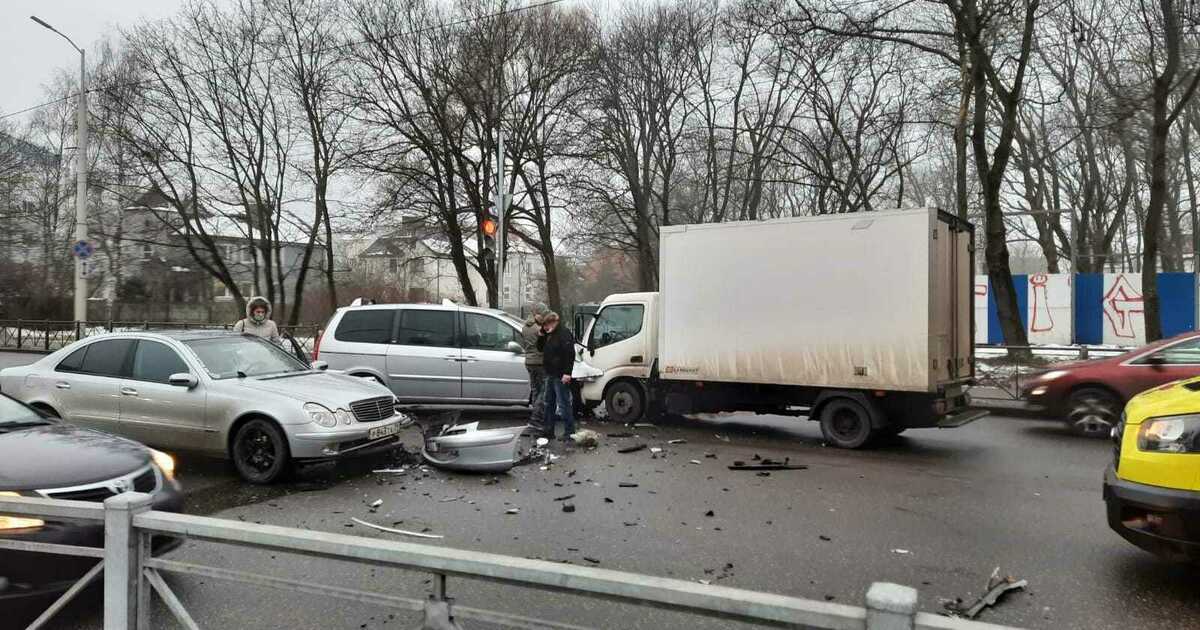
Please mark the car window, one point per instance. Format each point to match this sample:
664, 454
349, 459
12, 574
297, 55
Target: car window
247, 355
73, 362
486, 333
1184, 353
107, 358
616, 323
153, 361
367, 326
426, 328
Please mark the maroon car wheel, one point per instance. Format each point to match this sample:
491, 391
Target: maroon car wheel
1092, 412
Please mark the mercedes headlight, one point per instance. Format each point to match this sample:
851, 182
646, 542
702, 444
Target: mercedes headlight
319, 414
165, 463
344, 416
17, 522
1173, 434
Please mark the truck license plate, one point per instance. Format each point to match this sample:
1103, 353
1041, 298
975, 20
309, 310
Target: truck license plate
384, 431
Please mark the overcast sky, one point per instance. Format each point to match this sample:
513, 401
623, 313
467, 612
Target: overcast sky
29, 54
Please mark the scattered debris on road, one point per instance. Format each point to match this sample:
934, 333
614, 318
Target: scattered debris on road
720, 437
632, 449
645, 425
710, 514
996, 588
568, 507
566, 498
903, 552
767, 464
626, 484
694, 461
620, 435
512, 511
677, 441
376, 503
586, 438
654, 450
394, 531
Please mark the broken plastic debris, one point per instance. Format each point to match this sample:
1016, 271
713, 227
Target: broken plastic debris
709, 513
586, 438
512, 511
678, 441
568, 507
376, 503
625, 484
996, 588
655, 450
644, 425
632, 449
569, 496
542, 441
902, 552
694, 461
395, 531
383, 471
771, 466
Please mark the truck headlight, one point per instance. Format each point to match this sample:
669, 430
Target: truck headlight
165, 463
17, 522
1173, 434
319, 414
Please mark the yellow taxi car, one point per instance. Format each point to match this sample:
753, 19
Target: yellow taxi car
1152, 488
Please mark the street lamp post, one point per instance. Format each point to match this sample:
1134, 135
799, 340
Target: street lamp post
81, 174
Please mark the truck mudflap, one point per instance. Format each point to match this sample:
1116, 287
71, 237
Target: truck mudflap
965, 416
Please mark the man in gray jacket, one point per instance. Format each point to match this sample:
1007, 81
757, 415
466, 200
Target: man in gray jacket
533, 363
258, 320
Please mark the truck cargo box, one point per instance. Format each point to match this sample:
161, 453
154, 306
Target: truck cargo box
877, 300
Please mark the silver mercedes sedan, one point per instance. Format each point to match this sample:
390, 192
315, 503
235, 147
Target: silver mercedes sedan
218, 392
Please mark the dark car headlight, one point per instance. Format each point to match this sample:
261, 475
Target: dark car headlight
1171, 434
12, 521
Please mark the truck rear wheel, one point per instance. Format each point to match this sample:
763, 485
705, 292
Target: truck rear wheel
845, 423
625, 401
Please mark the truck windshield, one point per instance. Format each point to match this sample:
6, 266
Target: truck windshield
616, 323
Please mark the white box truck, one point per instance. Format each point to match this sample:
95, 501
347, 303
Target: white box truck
863, 322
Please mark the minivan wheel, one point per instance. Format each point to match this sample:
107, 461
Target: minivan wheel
260, 452
1092, 412
624, 401
845, 423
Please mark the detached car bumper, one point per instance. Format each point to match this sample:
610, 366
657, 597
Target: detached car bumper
26, 574
1163, 521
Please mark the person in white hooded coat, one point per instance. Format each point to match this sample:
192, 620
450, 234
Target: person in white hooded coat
258, 320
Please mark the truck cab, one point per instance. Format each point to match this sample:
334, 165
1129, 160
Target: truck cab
622, 342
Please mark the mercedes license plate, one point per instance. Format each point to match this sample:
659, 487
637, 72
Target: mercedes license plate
384, 431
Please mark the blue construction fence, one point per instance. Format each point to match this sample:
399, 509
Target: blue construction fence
1107, 308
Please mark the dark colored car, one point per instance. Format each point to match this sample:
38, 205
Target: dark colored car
1090, 395
43, 457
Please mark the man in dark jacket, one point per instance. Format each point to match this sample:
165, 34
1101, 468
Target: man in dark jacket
558, 358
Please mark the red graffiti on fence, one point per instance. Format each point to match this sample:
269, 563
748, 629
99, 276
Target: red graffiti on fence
1120, 303
1042, 319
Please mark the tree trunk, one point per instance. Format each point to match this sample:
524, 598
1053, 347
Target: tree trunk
1159, 131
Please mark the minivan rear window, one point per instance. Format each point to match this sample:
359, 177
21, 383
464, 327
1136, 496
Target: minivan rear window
369, 326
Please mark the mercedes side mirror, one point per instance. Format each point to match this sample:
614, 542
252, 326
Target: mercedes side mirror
514, 347
319, 365
183, 379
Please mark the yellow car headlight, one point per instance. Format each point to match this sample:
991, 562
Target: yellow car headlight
1170, 434
17, 522
165, 463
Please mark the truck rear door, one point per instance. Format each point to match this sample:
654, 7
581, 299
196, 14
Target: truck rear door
951, 309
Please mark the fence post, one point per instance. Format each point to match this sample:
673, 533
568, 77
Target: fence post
891, 607
437, 608
46, 337
1083, 353
20, 330
126, 596
79, 330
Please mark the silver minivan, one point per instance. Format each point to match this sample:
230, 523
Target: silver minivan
430, 353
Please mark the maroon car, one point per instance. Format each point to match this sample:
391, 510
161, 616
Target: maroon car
1090, 395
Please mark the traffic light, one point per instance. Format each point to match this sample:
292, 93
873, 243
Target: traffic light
488, 229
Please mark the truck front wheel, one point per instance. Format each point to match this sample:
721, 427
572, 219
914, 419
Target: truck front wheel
845, 423
625, 401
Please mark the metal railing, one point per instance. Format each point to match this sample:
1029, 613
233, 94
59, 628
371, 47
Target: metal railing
999, 373
51, 335
131, 573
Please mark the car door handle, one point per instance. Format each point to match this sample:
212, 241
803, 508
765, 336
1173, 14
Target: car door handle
63, 385
128, 391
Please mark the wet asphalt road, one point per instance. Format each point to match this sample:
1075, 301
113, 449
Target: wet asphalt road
1012, 492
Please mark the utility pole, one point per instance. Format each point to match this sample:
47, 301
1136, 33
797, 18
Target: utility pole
81, 175
501, 212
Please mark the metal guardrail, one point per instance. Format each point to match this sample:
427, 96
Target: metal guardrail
131, 573
51, 335
1001, 372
